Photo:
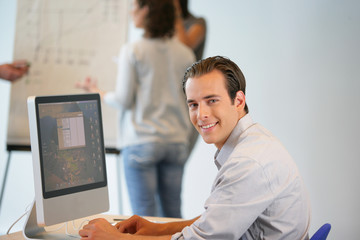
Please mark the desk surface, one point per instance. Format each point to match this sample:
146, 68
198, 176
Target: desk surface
110, 218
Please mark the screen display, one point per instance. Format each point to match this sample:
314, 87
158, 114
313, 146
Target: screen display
71, 146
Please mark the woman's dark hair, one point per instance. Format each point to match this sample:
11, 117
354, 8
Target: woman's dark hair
184, 8
232, 73
160, 21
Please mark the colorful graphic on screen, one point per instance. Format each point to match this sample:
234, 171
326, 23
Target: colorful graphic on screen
70, 144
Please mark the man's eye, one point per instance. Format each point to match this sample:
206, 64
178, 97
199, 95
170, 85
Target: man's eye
192, 105
212, 100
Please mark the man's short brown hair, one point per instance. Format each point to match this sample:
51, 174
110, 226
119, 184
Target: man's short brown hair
232, 73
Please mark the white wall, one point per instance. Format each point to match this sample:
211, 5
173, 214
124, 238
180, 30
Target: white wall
300, 59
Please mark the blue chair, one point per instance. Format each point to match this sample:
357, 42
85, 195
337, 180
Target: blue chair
322, 233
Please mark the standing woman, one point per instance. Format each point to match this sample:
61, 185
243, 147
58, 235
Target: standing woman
154, 126
190, 30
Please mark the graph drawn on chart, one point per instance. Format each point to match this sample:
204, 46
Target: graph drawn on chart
66, 41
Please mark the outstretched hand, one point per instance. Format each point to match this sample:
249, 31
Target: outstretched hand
89, 85
14, 71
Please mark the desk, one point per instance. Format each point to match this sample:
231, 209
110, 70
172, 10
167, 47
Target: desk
110, 218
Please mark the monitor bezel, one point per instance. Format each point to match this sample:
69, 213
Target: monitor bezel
64, 99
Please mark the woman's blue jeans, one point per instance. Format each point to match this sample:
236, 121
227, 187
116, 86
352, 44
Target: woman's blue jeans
154, 174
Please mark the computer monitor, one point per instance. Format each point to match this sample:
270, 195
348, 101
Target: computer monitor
68, 155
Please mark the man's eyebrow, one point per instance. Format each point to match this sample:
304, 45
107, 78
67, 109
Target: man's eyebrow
211, 96
206, 97
190, 101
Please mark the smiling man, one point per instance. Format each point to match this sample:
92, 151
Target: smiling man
258, 192
213, 113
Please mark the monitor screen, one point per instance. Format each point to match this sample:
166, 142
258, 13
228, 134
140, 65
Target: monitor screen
71, 146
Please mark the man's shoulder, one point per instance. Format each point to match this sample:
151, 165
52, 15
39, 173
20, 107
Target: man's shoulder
255, 134
257, 142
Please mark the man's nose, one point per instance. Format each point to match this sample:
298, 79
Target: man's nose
203, 111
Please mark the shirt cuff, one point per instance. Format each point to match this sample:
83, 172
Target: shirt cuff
110, 99
177, 236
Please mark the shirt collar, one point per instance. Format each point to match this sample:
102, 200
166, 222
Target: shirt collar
222, 154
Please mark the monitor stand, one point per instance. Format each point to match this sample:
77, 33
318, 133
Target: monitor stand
33, 231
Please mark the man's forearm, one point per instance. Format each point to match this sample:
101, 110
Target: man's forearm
171, 228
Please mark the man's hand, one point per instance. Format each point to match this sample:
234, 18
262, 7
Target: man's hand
138, 225
100, 229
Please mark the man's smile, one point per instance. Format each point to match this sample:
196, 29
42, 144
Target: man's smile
208, 126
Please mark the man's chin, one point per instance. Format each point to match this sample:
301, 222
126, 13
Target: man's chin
208, 140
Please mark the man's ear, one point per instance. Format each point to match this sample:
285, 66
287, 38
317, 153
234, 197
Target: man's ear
240, 100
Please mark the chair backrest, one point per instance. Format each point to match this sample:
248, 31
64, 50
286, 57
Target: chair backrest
322, 233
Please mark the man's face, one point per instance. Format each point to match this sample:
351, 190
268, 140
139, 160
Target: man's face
211, 110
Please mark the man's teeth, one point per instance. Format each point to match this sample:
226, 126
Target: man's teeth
208, 126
